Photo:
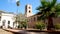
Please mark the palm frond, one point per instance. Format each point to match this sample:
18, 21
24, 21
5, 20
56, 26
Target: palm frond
43, 2
48, 8
40, 8
53, 3
57, 7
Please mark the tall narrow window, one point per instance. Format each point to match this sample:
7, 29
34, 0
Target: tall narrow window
0, 18
8, 22
29, 11
34, 18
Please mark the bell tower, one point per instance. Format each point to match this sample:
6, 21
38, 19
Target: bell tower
28, 10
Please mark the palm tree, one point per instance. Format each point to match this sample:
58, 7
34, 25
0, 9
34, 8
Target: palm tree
48, 10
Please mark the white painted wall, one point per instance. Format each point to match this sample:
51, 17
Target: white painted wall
7, 17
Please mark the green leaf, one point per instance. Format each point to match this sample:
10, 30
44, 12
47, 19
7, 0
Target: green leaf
53, 3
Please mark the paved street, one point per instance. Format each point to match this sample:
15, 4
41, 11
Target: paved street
4, 32
25, 32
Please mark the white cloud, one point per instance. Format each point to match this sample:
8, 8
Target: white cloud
12, 1
17, 0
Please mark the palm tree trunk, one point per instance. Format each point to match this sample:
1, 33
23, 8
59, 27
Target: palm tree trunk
50, 23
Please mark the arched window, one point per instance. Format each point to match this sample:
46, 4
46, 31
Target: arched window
4, 22
29, 11
29, 7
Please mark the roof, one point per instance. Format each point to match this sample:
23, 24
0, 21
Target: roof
2, 11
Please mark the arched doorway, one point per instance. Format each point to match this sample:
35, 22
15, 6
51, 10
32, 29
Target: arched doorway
3, 23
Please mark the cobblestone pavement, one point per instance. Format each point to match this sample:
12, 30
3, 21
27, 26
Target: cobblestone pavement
4, 32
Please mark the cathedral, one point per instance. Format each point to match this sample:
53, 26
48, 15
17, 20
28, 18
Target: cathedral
7, 19
32, 19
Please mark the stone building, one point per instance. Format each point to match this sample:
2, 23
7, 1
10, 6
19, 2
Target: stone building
32, 19
29, 15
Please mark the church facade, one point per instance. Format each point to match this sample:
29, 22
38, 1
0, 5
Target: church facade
32, 19
6, 19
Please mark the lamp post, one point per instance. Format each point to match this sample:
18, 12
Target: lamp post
18, 4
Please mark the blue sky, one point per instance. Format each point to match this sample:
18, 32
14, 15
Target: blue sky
10, 5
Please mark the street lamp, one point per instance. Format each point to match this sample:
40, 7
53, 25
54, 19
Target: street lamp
18, 4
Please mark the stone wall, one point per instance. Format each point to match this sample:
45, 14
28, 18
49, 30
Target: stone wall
33, 19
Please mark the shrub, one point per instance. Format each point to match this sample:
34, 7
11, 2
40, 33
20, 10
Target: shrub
40, 25
57, 26
20, 26
24, 25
